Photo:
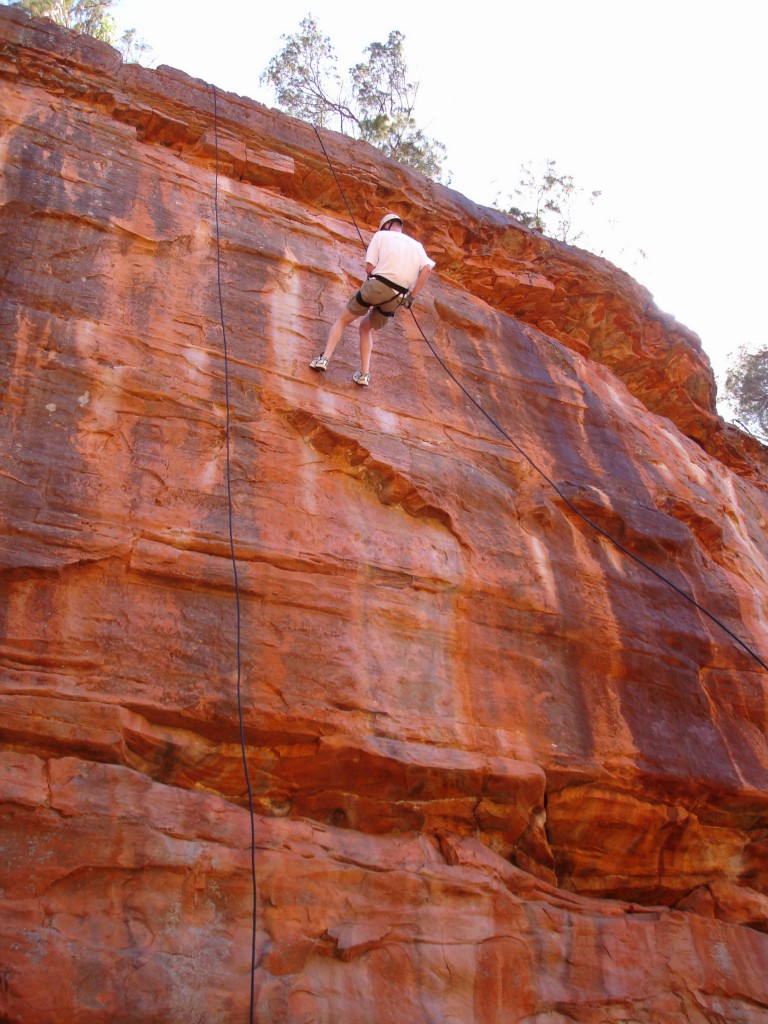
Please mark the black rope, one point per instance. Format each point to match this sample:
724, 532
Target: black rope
552, 484
343, 196
590, 522
234, 562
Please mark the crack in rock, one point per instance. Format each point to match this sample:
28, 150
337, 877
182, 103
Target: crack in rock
389, 485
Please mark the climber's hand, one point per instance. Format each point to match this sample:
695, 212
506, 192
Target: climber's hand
408, 300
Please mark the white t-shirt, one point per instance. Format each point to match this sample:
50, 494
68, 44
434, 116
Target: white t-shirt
397, 257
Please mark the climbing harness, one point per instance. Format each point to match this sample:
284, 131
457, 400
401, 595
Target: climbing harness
604, 533
399, 295
234, 562
398, 288
390, 284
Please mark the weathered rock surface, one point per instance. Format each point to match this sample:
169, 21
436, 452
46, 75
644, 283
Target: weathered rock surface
500, 770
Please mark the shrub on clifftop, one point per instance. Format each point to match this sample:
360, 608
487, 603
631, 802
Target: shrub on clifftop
375, 103
90, 18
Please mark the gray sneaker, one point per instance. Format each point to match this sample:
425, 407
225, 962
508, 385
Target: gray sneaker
361, 378
319, 363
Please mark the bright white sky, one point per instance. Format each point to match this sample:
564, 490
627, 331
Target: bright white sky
659, 104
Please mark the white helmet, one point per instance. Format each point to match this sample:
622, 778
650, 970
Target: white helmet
387, 218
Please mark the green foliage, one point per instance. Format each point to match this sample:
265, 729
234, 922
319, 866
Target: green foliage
133, 49
305, 79
90, 18
548, 201
385, 100
746, 388
375, 103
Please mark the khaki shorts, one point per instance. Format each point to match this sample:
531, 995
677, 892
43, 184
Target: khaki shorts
381, 298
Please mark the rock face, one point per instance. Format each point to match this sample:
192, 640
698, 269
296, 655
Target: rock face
501, 770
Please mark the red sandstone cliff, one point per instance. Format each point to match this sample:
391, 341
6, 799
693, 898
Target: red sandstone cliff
502, 773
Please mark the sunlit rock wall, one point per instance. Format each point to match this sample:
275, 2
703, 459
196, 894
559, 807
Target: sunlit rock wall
501, 771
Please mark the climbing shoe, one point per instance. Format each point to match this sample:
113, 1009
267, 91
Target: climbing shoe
319, 363
361, 378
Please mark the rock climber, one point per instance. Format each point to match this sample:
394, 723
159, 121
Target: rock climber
397, 267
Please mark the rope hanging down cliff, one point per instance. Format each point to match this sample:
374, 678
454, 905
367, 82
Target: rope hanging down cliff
604, 533
234, 560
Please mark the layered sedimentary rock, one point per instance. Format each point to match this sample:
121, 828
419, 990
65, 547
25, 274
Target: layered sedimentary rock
501, 770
